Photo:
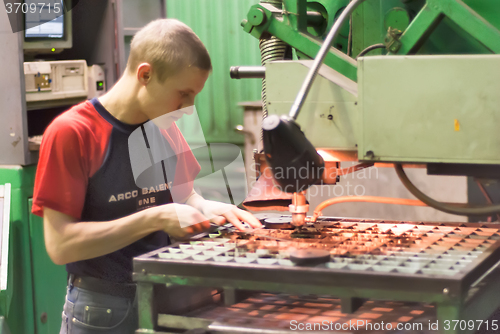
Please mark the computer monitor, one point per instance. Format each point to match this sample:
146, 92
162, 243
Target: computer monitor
47, 26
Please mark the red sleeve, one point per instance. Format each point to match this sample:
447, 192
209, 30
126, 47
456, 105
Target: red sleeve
62, 175
73, 148
187, 166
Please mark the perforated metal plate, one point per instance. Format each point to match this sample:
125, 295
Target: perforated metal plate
433, 256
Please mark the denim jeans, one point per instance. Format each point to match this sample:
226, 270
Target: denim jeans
88, 312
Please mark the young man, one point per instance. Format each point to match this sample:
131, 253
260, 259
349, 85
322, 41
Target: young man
95, 216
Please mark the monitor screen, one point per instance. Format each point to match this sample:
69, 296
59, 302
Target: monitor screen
44, 19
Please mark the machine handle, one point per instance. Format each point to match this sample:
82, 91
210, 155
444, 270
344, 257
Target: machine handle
248, 72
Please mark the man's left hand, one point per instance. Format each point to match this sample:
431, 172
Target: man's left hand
220, 213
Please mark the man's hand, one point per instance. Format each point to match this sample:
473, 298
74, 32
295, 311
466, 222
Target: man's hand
179, 220
220, 213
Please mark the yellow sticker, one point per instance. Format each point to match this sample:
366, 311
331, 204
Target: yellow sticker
457, 125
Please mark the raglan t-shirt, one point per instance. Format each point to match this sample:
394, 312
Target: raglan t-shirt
85, 171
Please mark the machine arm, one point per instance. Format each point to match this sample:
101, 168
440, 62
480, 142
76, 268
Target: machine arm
262, 19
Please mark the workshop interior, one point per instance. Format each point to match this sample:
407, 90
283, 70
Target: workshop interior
369, 132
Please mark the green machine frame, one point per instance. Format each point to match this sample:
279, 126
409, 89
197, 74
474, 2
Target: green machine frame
433, 13
432, 27
415, 27
290, 25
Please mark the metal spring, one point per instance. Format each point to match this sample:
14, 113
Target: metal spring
270, 49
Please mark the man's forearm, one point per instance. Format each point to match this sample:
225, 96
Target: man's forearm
78, 241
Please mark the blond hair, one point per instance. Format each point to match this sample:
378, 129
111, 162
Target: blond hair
169, 46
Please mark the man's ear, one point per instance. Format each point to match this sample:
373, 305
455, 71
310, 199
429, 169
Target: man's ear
144, 73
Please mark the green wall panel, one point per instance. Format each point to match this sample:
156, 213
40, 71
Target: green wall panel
35, 285
217, 23
19, 308
49, 281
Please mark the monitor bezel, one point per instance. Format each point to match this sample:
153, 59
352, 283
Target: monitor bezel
50, 45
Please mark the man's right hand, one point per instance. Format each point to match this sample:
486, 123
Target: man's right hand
180, 220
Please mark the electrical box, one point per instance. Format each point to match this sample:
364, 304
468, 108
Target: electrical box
97, 81
423, 109
51, 83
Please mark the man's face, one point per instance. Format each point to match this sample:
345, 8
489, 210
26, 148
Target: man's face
175, 93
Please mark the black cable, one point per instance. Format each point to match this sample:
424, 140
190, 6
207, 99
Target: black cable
454, 209
370, 48
486, 196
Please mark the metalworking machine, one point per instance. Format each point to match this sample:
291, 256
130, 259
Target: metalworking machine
427, 95
384, 109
